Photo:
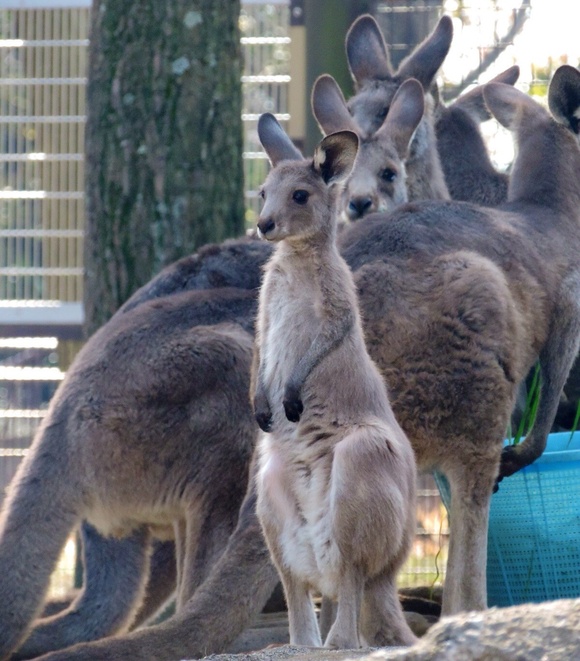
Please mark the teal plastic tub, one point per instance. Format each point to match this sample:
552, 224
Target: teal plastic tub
533, 545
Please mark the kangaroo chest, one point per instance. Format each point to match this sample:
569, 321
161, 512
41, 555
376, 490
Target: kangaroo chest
293, 313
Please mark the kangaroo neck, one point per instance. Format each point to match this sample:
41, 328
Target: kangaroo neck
316, 250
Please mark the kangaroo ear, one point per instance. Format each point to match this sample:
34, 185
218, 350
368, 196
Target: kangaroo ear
334, 157
404, 115
277, 144
366, 51
424, 62
510, 106
564, 97
329, 107
508, 77
472, 102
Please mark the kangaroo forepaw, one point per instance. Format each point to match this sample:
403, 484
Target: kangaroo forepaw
264, 420
511, 462
263, 413
293, 406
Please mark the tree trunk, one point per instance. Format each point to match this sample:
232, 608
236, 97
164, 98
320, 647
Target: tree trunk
163, 140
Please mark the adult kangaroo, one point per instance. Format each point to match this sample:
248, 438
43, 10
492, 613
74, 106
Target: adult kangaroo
469, 173
150, 435
457, 302
448, 156
380, 178
376, 84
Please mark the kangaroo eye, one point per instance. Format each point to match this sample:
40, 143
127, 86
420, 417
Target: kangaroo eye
300, 196
383, 112
388, 175
262, 194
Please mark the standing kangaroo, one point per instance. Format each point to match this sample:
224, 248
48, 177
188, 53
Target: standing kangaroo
336, 476
376, 85
379, 178
457, 301
448, 157
150, 435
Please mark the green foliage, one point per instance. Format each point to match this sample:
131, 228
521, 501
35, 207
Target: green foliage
530, 410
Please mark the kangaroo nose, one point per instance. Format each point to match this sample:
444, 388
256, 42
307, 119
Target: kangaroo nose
266, 225
358, 206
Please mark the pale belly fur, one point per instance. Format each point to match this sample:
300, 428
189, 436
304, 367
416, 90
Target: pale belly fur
297, 502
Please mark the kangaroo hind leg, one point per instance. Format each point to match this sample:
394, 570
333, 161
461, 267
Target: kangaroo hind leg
114, 583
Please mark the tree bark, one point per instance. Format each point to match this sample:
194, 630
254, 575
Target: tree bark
163, 140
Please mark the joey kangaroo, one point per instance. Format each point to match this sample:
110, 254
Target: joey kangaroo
378, 180
457, 301
150, 435
336, 476
376, 84
469, 172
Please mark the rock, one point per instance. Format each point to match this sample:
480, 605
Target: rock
293, 653
549, 631
530, 632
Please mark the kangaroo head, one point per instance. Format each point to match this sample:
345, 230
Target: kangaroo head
376, 82
298, 193
547, 163
472, 102
462, 148
378, 178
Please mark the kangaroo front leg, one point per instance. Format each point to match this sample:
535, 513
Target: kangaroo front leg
324, 342
344, 633
556, 359
208, 533
262, 410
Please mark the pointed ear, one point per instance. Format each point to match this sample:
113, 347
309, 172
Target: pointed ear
508, 77
564, 97
472, 102
404, 115
329, 107
424, 62
366, 51
335, 156
277, 144
510, 106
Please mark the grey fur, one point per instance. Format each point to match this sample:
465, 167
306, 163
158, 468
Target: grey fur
376, 85
379, 180
128, 444
457, 302
336, 479
469, 172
